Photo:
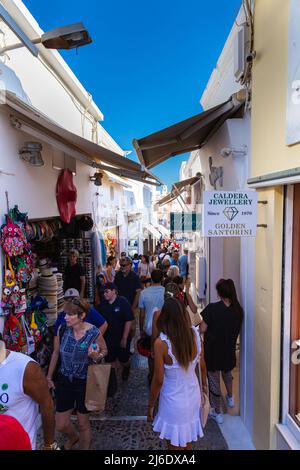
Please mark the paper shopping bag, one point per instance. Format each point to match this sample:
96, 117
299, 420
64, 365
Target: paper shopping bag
205, 408
96, 386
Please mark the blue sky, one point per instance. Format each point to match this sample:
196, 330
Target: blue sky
149, 61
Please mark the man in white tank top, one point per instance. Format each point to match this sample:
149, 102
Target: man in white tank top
24, 394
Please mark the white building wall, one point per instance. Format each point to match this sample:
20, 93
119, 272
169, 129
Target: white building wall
49, 85
231, 257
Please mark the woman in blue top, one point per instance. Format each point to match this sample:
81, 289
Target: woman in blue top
79, 345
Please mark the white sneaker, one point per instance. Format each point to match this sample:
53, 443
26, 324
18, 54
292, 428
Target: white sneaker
230, 401
218, 417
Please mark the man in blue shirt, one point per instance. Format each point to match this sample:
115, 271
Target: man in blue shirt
93, 316
151, 299
184, 265
174, 260
118, 313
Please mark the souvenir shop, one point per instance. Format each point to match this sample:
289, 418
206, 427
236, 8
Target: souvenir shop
111, 241
35, 255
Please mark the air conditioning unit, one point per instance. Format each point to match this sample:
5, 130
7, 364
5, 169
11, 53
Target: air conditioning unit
242, 48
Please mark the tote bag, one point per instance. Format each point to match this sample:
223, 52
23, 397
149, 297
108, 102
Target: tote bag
205, 405
195, 318
96, 386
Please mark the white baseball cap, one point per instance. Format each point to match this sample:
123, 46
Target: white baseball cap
71, 293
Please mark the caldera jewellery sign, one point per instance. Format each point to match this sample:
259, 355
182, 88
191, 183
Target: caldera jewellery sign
229, 213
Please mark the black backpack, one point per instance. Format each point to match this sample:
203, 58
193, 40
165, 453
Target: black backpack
160, 262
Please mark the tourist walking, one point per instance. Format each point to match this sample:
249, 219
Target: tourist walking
221, 326
77, 346
74, 274
176, 355
151, 298
129, 286
183, 264
25, 396
92, 315
110, 268
118, 313
136, 263
175, 258
145, 268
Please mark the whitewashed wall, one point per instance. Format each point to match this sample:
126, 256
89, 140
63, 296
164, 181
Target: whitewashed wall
231, 257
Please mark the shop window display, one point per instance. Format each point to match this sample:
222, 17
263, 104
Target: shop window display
35, 254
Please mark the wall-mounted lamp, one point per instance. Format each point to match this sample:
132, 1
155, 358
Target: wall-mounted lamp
65, 37
97, 179
228, 151
31, 153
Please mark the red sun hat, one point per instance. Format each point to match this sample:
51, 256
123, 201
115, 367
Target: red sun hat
66, 196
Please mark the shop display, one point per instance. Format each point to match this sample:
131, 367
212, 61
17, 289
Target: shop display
48, 288
18, 268
32, 288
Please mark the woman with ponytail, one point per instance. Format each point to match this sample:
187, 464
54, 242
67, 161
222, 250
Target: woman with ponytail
221, 326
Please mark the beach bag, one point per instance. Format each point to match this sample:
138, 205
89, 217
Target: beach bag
205, 404
9, 287
23, 271
12, 238
19, 301
195, 318
205, 408
14, 335
96, 386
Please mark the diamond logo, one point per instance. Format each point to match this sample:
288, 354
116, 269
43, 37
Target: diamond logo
230, 213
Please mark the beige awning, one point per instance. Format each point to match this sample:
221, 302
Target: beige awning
177, 189
166, 199
151, 229
187, 135
188, 182
26, 118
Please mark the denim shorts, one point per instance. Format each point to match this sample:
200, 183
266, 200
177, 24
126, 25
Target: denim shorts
70, 395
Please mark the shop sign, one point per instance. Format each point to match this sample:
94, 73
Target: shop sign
229, 213
293, 92
181, 238
185, 222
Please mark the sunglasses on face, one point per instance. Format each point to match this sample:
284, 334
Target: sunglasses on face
74, 300
124, 265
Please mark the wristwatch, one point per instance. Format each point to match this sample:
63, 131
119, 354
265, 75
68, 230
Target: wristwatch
53, 446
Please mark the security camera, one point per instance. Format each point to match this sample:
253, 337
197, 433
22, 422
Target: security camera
226, 152
251, 56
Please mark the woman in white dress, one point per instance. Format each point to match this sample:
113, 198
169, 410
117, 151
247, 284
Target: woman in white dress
176, 354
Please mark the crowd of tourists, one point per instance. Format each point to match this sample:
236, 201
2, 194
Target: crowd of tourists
141, 303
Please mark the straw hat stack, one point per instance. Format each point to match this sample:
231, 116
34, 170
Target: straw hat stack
47, 284
33, 284
60, 290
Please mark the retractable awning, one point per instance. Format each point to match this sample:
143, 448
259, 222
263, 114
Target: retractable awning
164, 231
177, 189
166, 199
187, 135
28, 119
151, 229
188, 182
116, 179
